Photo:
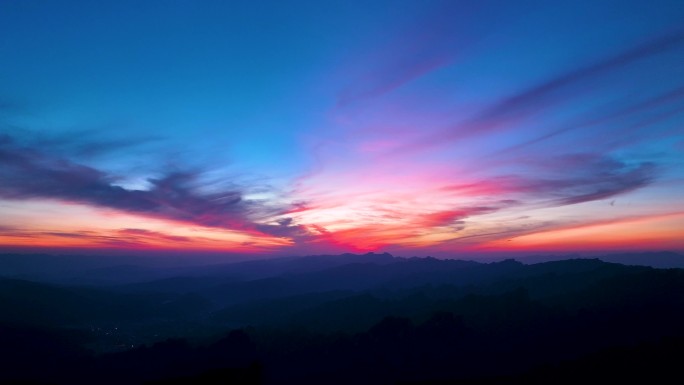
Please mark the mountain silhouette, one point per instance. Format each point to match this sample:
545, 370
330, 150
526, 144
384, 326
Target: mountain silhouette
366, 319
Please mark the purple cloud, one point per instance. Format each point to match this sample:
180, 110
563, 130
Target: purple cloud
437, 39
587, 177
26, 173
644, 106
544, 93
515, 108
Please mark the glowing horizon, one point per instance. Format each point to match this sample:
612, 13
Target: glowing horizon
414, 127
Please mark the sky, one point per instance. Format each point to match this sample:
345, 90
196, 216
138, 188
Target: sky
267, 128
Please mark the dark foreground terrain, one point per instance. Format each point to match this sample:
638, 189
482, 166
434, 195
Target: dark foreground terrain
349, 319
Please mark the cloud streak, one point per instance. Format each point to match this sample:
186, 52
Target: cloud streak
437, 39
452, 125
505, 114
585, 178
26, 173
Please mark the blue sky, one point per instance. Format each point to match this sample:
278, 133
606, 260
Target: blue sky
341, 124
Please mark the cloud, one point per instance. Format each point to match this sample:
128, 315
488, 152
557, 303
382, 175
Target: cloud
15, 232
81, 237
644, 106
152, 234
450, 217
543, 93
588, 177
436, 39
26, 173
608, 183
82, 142
564, 180
505, 113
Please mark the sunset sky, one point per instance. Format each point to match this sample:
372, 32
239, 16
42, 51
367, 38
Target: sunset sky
306, 127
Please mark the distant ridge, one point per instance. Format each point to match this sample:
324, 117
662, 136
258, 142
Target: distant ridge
661, 259
98, 270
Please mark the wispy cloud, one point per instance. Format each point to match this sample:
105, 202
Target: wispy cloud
436, 39
667, 99
547, 92
27, 173
153, 234
450, 217
509, 112
455, 125
582, 177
